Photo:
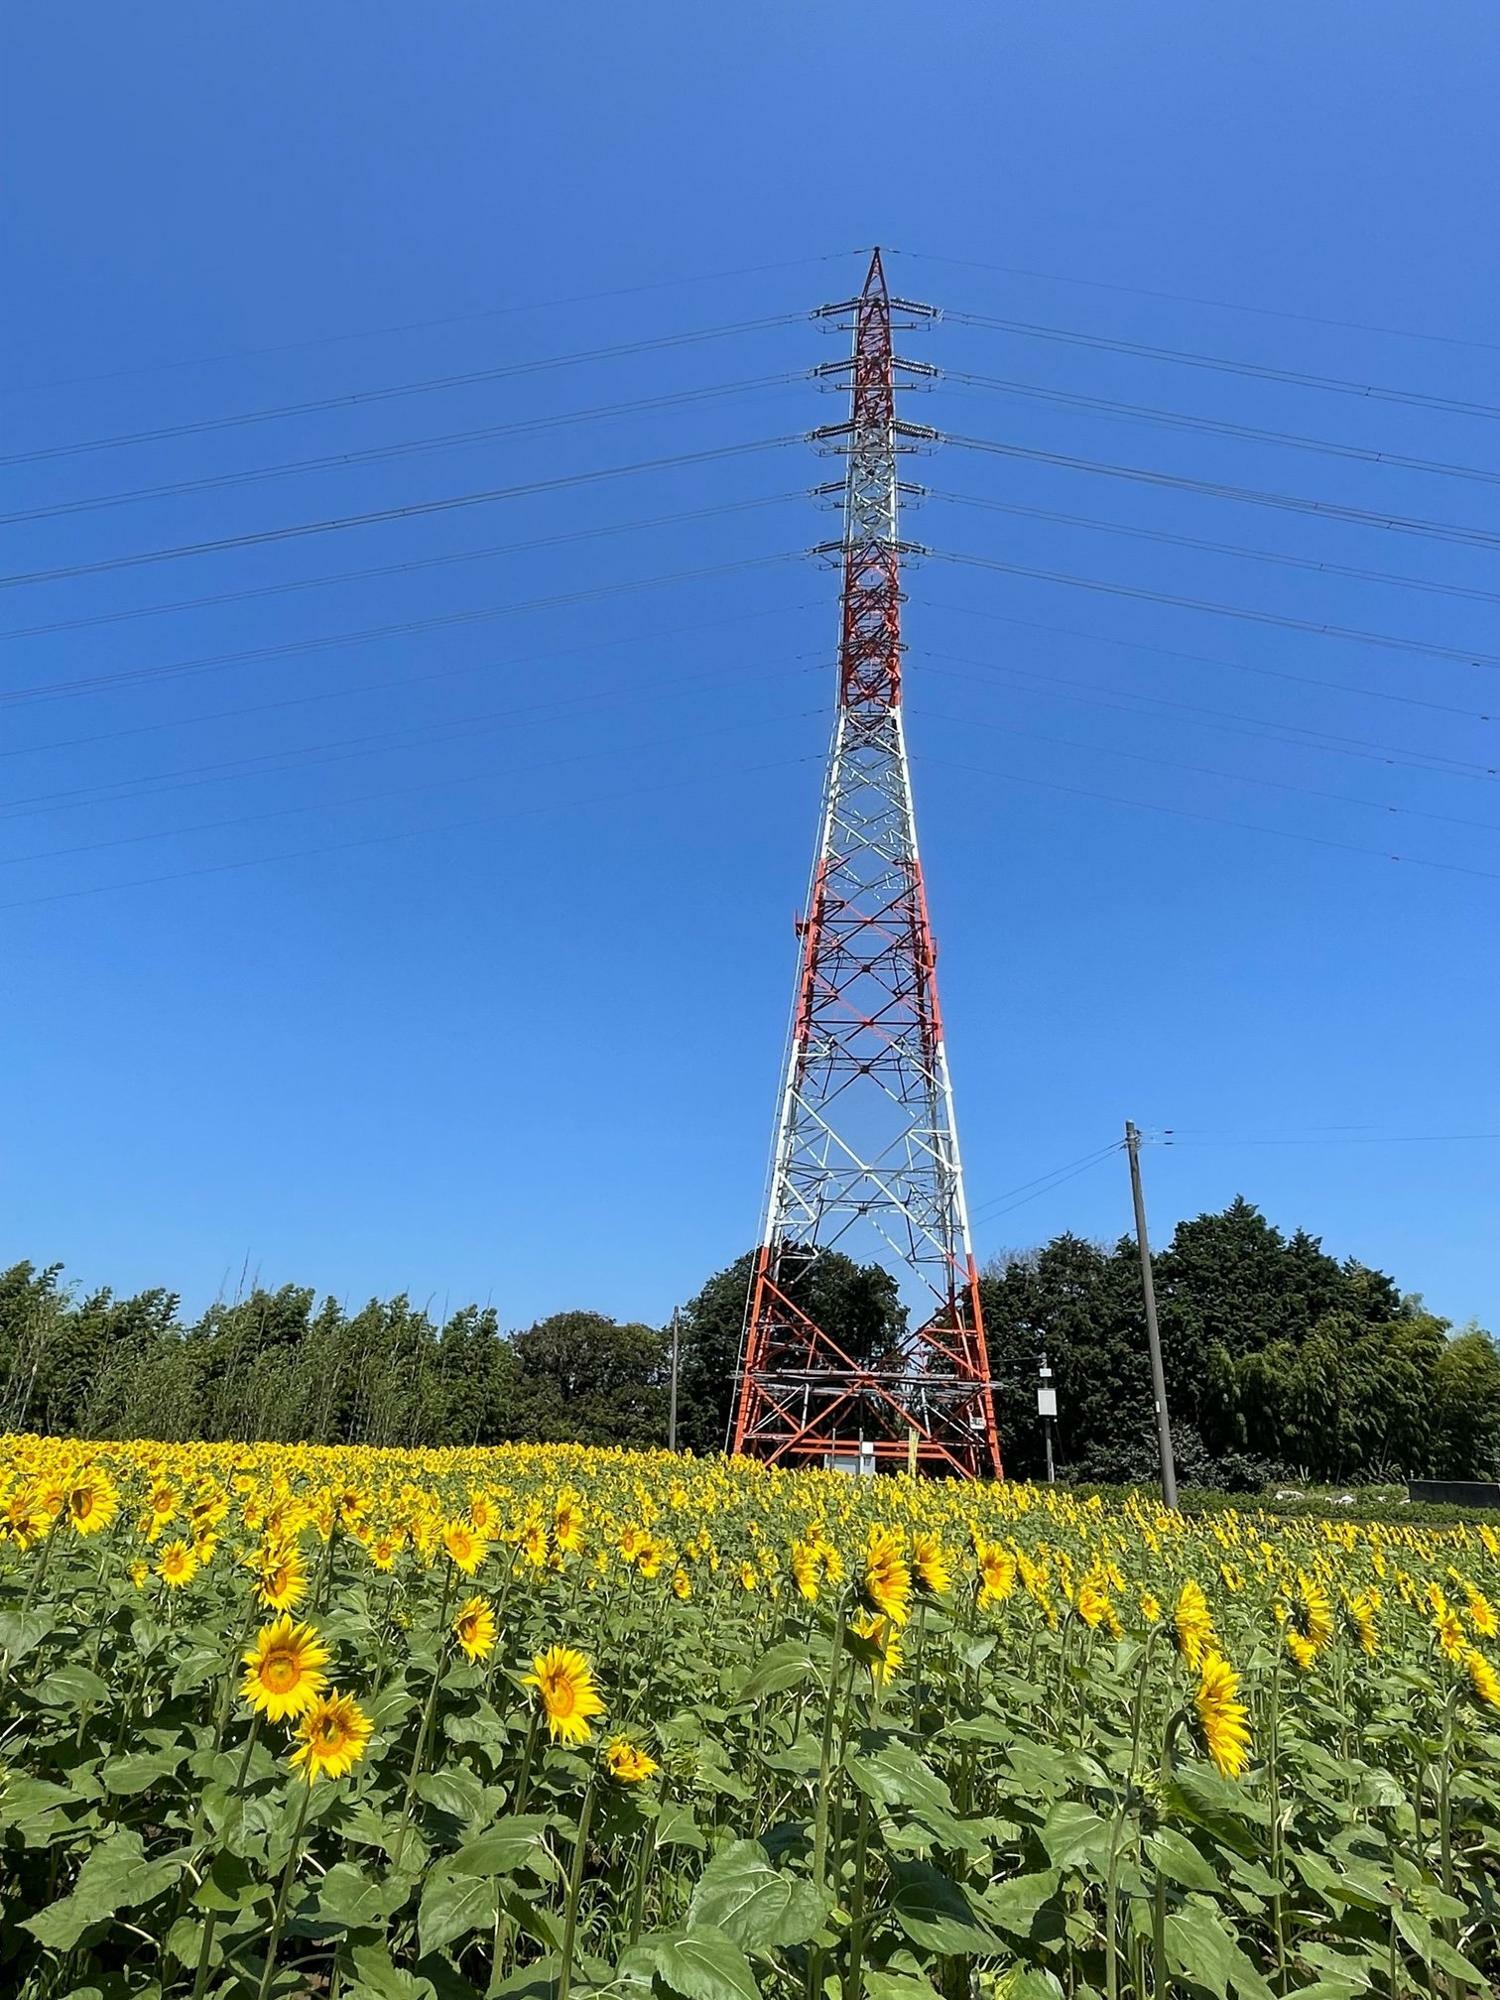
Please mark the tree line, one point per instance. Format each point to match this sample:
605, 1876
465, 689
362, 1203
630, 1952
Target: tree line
1281, 1362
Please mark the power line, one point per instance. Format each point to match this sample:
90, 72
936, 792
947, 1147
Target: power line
425, 386
1330, 510
1394, 578
406, 565
1213, 660
426, 325
1258, 371
1319, 629
1221, 427
1044, 1183
1214, 819
445, 783
1345, 1139
1234, 777
409, 448
1228, 721
401, 833
1218, 305
400, 681
295, 758
412, 511
174, 669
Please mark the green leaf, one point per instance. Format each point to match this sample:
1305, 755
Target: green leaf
231, 1884
1074, 1834
21, 1632
115, 1876
349, 1897
519, 1841
1178, 1859
894, 1775
195, 1668
1198, 1948
783, 1666
73, 1687
678, 1827
1013, 1906
455, 1792
125, 1776
377, 1978
752, 1903
936, 1912
897, 1986
705, 1965
1336, 1889
453, 1905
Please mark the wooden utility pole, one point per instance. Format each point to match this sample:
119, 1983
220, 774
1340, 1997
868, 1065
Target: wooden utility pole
672, 1401
1153, 1331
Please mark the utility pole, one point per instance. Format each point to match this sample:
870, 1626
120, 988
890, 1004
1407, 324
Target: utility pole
1153, 1331
672, 1403
1046, 1409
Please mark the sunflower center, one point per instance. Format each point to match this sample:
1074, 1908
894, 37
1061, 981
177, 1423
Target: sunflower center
562, 1697
280, 1672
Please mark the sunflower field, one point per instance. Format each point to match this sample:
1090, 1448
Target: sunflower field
543, 1721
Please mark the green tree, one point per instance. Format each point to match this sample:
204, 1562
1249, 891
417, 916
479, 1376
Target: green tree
581, 1376
858, 1305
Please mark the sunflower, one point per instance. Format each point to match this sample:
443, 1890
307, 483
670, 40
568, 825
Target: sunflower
997, 1572
1192, 1627
1481, 1612
1310, 1613
331, 1737
1359, 1617
466, 1550
285, 1670
748, 1575
682, 1585
1301, 1648
1150, 1608
384, 1550
534, 1544
474, 1628
567, 1523
1483, 1680
627, 1763
25, 1517
1222, 1720
1451, 1636
566, 1689
91, 1501
176, 1565
885, 1582
806, 1569
1094, 1607
881, 1633
281, 1576
929, 1566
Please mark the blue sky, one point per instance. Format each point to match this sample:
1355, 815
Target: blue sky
444, 945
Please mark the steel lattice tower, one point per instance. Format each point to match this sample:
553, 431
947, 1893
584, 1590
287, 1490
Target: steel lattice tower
866, 1151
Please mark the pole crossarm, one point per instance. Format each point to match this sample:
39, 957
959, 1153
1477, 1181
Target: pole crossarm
866, 1148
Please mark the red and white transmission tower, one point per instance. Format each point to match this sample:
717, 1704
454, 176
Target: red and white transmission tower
866, 1151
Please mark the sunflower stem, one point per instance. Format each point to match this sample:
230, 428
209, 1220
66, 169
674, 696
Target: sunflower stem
825, 1756
523, 1783
211, 1920
575, 1884
278, 1918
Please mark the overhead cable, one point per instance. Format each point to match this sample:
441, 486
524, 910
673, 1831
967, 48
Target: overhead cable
425, 386
413, 510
